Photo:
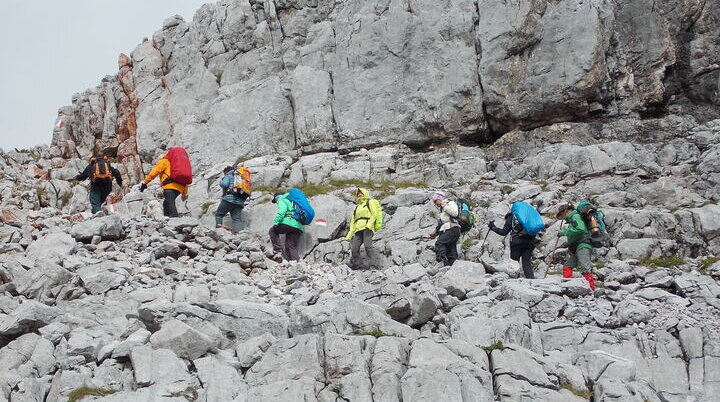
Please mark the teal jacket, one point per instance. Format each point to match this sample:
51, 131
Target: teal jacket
576, 230
285, 210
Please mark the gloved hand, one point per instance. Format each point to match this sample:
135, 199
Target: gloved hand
143, 187
184, 197
491, 225
349, 236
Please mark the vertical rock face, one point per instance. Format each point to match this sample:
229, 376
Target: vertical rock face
275, 76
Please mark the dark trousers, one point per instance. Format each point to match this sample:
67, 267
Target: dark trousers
292, 238
98, 194
363, 238
523, 253
446, 246
235, 211
169, 208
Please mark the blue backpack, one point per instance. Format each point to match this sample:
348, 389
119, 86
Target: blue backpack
528, 217
304, 212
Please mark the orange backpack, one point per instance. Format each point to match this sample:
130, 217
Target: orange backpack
243, 184
101, 172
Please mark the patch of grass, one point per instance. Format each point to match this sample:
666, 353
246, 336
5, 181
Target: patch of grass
83, 392
577, 392
484, 204
497, 345
543, 185
599, 265
469, 242
662, 262
554, 272
507, 189
65, 199
205, 207
190, 394
218, 78
707, 263
377, 333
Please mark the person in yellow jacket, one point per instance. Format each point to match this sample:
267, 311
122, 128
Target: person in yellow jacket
171, 190
366, 220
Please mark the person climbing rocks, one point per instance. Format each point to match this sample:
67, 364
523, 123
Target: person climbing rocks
175, 174
522, 244
366, 220
101, 175
447, 230
579, 248
236, 190
285, 223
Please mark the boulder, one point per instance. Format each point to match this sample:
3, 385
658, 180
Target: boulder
182, 339
107, 228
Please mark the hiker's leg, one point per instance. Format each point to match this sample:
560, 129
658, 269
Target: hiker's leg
526, 260
355, 243
516, 252
169, 208
292, 238
440, 249
584, 260
274, 234
452, 253
448, 241
372, 253
96, 199
221, 211
236, 215
104, 193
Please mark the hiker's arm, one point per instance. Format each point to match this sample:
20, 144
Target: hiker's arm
85, 173
376, 211
117, 175
573, 228
505, 229
156, 170
281, 211
225, 182
451, 209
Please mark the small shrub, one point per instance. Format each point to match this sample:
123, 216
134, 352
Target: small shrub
599, 265
543, 185
484, 204
662, 262
507, 189
205, 207
82, 392
241, 159
707, 263
377, 333
469, 242
577, 392
497, 345
65, 199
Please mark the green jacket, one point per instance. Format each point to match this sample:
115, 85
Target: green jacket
576, 230
285, 210
367, 215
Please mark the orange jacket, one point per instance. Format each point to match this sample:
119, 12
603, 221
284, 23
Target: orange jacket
162, 169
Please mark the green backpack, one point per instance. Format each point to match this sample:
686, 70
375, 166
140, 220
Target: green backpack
595, 222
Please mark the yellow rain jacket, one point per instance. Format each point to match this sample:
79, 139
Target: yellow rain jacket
367, 215
162, 169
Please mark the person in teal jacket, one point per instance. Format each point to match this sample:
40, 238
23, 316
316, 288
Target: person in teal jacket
580, 251
285, 224
231, 202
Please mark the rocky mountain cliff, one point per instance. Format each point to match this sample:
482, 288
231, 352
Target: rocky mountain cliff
494, 101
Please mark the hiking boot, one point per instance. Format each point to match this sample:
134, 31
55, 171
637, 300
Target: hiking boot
567, 272
223, 227
277, 257
591, 280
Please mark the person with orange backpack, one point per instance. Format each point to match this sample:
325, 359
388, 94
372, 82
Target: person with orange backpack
101, 175
175, 173
236, 186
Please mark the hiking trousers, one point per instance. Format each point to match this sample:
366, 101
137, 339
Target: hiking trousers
169, 208
523, 253
234, 210
446, 246
580, 258
98, 194
364, 237
292, 238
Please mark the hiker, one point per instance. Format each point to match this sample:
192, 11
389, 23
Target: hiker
101, 175
236, 190
522, 241
366, 220
285, 223
579, 248
447, 230
175, 174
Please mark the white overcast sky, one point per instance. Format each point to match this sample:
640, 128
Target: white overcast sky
52, 49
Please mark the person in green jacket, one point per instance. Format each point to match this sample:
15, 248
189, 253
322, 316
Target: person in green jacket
580, 251
366, 220
285, 224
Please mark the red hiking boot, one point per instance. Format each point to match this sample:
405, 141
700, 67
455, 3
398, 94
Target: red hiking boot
567, 272
591, 280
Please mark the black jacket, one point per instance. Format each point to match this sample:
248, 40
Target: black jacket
517, 234
88, 171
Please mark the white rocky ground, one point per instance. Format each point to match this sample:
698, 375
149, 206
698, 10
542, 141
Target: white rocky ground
157, 309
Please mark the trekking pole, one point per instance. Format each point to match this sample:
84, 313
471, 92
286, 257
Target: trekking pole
557, 240
482, 246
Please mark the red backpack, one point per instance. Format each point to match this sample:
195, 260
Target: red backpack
180, 168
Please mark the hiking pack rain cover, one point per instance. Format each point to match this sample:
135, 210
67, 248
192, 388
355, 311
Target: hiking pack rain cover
528, 217
304, 212
180, 168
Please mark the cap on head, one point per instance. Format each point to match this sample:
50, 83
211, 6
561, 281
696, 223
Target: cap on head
276, 196
438, 195
563, 209
227, 169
